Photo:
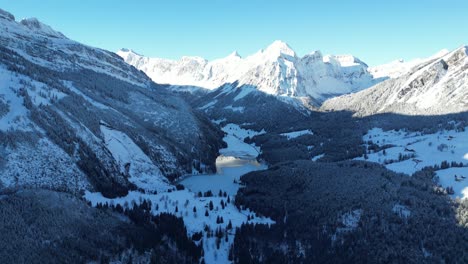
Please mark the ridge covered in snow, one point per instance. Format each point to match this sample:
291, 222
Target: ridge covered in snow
275, 70
41, 28
438, 85
82, 118
400, 67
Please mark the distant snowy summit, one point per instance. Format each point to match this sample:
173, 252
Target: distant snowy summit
276, 70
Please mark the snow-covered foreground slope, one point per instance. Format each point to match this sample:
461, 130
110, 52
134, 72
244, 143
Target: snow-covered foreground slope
88, 120
276, 70
437, 86
408, 152
187, 204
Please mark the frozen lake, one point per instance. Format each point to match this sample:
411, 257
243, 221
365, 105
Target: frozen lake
229, 171
236, 160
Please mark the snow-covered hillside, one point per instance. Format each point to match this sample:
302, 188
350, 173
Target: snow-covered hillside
276, 70
408, 152
436, 86
82, 118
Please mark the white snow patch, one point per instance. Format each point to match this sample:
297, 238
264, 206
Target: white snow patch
295, 134
315, 158
235, 141
219, 121
457, 178
133, 161
208, 105
245, 90
401, 210
349, 221
239, 109
428, 149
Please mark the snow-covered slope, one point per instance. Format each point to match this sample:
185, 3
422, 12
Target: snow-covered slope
276, 70
74, 117
400, 67
408, 152
436, 86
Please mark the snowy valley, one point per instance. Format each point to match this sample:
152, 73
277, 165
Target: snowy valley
207, 205
270, 158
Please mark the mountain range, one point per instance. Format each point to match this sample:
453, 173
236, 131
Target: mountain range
276, 70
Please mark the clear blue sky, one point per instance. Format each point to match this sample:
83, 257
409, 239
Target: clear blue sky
375, 31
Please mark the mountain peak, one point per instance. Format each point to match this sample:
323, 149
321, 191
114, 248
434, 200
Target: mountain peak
279, 47
38, 27
6, 15
441, 53
130, 51
462, 48
234, 54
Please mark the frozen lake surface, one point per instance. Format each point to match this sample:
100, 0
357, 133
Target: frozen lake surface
229, 170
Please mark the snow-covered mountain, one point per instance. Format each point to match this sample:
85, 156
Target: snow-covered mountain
74, 117
397, 68
435, 86
276, 70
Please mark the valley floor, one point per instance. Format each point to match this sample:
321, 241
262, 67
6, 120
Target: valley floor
202, 213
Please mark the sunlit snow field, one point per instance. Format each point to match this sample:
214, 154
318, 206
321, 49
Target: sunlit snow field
428, 150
